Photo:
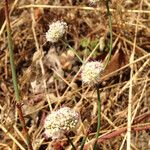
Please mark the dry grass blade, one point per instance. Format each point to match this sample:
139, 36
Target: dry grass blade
11, 136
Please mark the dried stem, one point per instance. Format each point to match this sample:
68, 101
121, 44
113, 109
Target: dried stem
131, 88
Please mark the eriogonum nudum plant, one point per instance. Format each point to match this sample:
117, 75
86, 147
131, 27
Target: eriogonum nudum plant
60, 122
56, 31
91, 71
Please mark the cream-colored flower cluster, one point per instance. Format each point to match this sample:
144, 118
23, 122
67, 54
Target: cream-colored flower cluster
91, 71
60, 122
56, 31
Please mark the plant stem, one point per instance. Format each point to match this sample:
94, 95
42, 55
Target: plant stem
71, 48
110, 30
14, 76
83, 143
99, 116
99, 112
70, 141
22, 120
11, 53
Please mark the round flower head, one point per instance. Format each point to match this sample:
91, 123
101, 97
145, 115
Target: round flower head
91, 71
60, 122
56, 31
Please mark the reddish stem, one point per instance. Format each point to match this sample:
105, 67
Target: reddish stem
117, 133
22, 120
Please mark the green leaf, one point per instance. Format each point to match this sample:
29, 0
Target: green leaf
93, 43
85, 42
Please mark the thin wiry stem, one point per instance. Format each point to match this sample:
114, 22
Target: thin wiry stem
110, 30
14, 76
99, 116
83, 143
72, 49
99, 111
107, 61
70, 142
11, 53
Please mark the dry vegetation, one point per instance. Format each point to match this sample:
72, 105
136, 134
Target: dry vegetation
49, 74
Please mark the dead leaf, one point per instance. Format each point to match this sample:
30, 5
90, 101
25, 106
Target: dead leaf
118, 60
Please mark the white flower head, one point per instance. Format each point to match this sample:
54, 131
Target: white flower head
56, 31
91, 71
60, 122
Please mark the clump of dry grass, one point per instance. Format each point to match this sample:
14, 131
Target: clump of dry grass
47, 82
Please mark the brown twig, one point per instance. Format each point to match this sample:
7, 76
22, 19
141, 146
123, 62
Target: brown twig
22, 120
124, 129
117, 133
120, 131
141, 118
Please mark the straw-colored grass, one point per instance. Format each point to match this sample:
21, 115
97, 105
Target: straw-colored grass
49, 74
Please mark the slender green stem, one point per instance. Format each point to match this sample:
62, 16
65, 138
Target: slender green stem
71, 143
107, 61
99, 116
11, 54
73, 51
110, 30
99, 111
83, 143
14, 76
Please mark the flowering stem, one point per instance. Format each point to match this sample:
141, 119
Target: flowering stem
70, 141
99, 116
110, 30
14, 76
10, 46
73, 51
83, 143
